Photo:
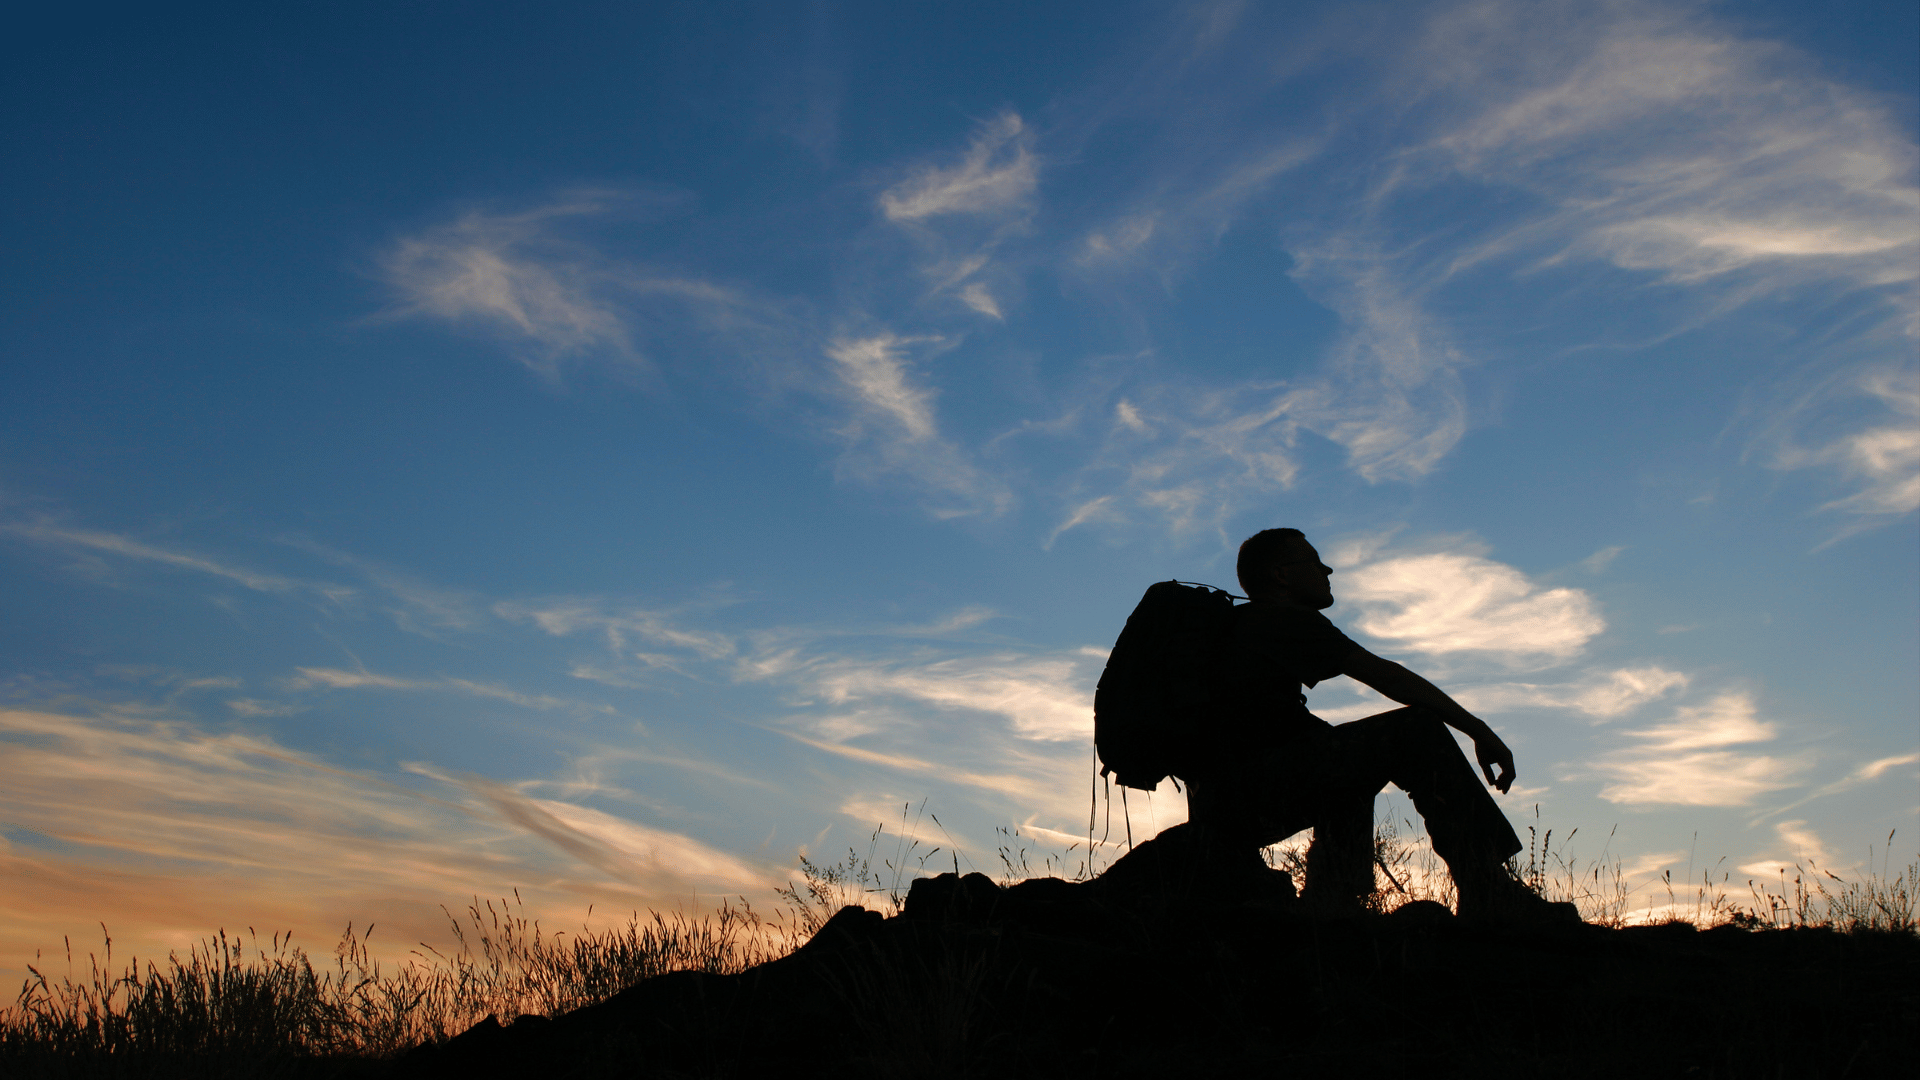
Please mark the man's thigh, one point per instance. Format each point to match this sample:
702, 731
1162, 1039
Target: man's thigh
1335, 769
1404, 746
1362, 755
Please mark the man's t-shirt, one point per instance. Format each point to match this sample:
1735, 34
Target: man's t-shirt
1278, 651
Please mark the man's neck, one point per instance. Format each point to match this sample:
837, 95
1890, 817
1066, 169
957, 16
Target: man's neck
1286, 598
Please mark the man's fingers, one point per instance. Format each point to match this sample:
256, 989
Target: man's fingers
1487, 767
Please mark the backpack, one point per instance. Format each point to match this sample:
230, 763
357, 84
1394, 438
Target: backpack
1162, 682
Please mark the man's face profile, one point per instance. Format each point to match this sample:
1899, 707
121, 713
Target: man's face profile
1307, 580
1310, 583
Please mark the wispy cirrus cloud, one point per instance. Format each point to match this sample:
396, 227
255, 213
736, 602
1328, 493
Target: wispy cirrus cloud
1882, 460
1691, 759
874, 370
1004, 783
1803, 846
960, 213
414, 605
1391, 392
521, 277
638, 642
619, 625
1388, 392
1646, 138
550, 297
1189, 470
1039, 697
892, 432
1654, 139
1662, 141
507, 272
1602, 695
1865, 773
997, 172
314, 678
177, 830
90, 540
1011, 727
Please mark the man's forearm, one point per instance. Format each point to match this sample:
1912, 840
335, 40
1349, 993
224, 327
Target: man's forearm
1409, 688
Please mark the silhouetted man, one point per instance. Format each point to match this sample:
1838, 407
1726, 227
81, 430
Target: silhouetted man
1271, 768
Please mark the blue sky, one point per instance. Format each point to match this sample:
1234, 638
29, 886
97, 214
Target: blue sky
607, 450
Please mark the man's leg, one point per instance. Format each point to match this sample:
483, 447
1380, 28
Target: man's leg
1313, 780
1413, 749
1340, 859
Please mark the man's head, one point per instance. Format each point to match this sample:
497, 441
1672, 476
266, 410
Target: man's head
1279, 564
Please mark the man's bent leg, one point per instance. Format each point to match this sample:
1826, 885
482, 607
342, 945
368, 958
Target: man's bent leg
1413, 749
1340, 860
1338, 788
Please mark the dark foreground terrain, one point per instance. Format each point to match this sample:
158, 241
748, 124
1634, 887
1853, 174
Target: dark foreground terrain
1159, 968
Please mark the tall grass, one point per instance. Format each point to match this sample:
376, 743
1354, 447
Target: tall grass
1407, 869
243, 1000
267, 1007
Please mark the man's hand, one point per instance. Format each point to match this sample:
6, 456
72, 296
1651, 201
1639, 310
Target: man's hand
1491, 751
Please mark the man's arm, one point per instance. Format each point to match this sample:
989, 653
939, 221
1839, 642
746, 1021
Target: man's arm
1407, 688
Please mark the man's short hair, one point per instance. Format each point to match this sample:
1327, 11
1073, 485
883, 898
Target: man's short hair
1263, 549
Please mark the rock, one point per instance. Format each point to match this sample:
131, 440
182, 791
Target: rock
952, 896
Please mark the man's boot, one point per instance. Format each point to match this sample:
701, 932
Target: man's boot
1492, 895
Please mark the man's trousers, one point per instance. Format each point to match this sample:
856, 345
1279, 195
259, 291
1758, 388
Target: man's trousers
1326, 777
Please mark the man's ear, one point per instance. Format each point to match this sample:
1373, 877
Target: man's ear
1277, 578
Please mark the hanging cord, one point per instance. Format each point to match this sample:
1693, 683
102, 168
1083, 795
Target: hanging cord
1215, 588
1127, 815
1106, 830
1093, 800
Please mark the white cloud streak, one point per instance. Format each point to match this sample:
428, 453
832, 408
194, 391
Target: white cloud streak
173, 831
1688, 761
1664, 143
1447, 602
1803, 845
976, 296
1602, 695
501, 271
1883, 460
997, 172
418, 607
874, 369
413, 605
1640, 136
518, 277
1392, 396
335, 679
620, 627
1039, 697
114, 544
1873, 770
892, 430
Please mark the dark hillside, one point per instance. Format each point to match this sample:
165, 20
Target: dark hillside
1148, 973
